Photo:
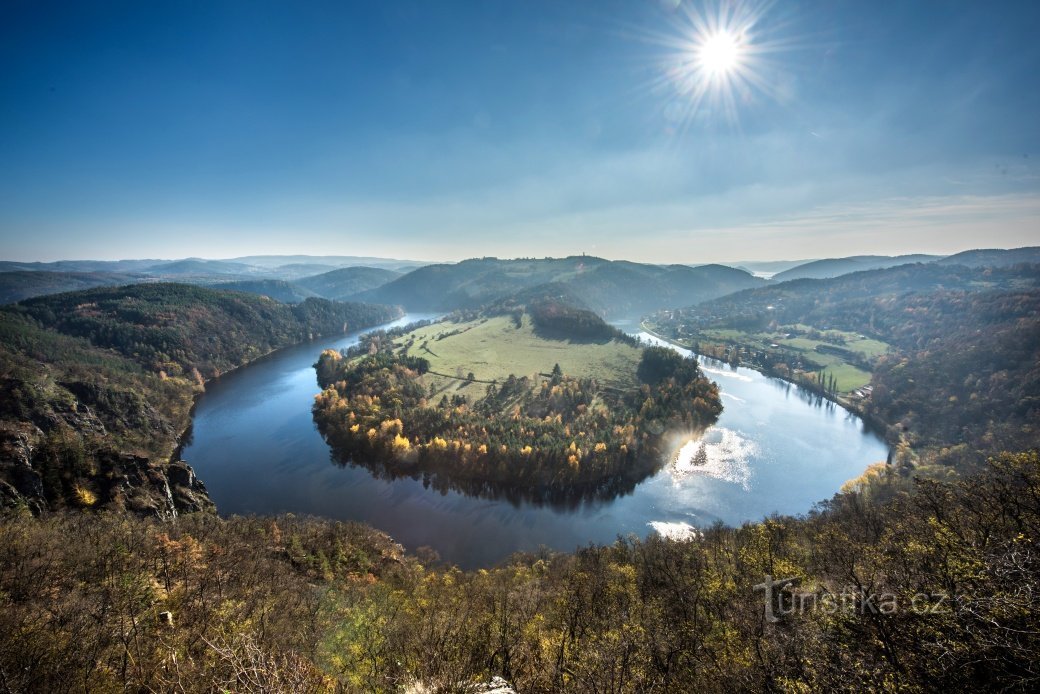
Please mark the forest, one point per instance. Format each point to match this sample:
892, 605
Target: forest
98, 385
901, 586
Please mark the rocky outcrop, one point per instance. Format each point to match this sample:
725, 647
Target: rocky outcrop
32, 479
188, 492
155, 489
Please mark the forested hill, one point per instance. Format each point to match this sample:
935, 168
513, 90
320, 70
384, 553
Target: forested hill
279, 290
994, 257
965, 378
962, 376
19, 285
97, 385
174, 328
811, 300
347, 282
834, 267
614, 289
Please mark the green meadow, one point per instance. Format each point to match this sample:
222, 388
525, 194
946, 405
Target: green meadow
493, 348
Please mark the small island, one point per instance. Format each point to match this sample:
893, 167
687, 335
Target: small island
534, 397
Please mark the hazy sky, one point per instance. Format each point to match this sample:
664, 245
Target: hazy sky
444, 130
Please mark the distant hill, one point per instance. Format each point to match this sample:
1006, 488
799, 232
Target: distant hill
200, 267
279, 290
994, 257
295, 271
472, 283
614, 289
768, 267
332, 261
631, 289
127, 266
23, 284
835, 267
282, 267
24, 280
809, 300
347, 282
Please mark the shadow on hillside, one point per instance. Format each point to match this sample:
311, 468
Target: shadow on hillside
569, 336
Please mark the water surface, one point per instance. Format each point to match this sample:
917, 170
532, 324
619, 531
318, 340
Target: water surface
775, 448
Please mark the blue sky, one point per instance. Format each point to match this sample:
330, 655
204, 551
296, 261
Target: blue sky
445, 130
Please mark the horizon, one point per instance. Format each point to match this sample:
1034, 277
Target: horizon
692, 131
729, 263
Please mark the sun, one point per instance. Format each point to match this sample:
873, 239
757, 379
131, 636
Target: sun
721, 57
719, 54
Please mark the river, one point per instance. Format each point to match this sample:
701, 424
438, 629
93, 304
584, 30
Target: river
774, 449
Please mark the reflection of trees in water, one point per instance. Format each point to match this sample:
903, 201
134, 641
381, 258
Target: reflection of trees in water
566, 498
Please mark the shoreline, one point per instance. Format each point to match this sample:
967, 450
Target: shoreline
882, 428
181, 440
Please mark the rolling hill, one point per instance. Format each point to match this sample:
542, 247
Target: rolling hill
331, 261
127, 266
994, 257
279, 290
835, 267
347, 282
614, 289
198, 267
295, 271
25, 284
809, 300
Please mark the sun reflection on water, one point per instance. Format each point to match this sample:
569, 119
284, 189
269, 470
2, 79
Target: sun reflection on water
722, 454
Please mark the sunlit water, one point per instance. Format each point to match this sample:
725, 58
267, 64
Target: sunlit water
774, 449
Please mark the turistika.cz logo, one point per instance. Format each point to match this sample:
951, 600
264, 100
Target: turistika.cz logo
782, 599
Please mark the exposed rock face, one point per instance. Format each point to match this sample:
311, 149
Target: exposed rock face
108, 479
21, 485
155, 489
122, 409
189, 493
83, 444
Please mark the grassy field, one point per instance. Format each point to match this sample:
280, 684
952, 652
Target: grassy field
493, 348
855, 342
848, 377
795, 338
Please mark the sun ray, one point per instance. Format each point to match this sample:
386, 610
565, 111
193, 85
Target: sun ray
719, 57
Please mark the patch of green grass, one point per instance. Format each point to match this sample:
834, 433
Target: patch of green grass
726, 334
494, 348
802, 344
848, 377
867, 347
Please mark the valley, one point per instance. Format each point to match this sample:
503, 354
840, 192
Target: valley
506, 447
541, 347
